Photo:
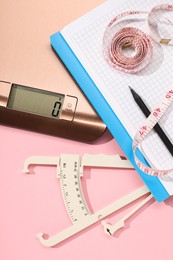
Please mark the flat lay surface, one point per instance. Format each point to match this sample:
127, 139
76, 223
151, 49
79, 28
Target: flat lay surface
32, 203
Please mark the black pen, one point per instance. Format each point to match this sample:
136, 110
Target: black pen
157, 127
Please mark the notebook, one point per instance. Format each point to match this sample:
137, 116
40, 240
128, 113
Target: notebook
79, 45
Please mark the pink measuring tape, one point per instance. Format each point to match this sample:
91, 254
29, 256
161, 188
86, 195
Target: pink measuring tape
142, 45
145, 128
126, 36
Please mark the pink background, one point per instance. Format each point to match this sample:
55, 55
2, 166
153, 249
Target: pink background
33, 203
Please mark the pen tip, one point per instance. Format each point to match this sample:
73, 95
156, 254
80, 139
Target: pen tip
130, 88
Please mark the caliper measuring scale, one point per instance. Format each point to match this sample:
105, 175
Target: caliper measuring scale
69, 170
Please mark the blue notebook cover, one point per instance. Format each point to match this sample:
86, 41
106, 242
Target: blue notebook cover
106, 113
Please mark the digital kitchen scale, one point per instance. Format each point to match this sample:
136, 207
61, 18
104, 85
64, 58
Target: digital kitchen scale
55, 113
53, 103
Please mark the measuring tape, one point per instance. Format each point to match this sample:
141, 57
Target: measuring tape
145, 129
130, 37
127, 37
150, 31
134, 38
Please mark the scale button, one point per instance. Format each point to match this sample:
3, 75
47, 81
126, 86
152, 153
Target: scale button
5, 88
69, 107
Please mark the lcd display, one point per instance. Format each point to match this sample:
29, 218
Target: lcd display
35, 101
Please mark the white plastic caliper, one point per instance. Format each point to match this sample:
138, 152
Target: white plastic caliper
69, 170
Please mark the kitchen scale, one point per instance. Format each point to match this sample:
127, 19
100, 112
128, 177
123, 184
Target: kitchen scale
36, 91
55, 113
70, 168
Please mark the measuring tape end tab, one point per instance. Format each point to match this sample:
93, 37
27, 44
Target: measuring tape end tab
127, 45
165, 41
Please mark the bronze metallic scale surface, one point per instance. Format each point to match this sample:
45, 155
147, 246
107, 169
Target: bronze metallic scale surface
41, 110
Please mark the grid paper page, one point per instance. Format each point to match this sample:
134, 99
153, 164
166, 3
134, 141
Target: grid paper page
85, 36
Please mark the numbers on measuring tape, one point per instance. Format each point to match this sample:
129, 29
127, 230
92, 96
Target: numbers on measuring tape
145, 129
156, 112
169, 94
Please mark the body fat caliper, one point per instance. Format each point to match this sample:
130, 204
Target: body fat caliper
69, 170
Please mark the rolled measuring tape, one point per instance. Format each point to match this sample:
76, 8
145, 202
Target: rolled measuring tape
113, 45
114, 42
